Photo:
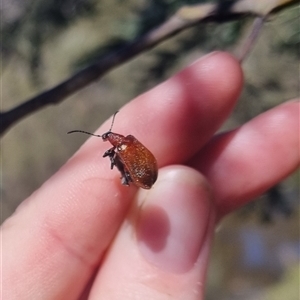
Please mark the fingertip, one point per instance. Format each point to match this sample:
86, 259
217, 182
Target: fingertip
163, 247
173, 219
219, 72
243, 163
185, 110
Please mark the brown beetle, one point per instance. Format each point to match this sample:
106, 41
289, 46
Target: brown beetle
134, 161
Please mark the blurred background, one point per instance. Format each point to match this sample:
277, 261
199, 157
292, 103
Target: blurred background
256, 249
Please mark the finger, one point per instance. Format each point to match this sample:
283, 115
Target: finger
161, 251
176, 118
245, 162
72, 218
54, 242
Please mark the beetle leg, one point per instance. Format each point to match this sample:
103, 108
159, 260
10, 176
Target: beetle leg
125, 176
111, 154
115, 161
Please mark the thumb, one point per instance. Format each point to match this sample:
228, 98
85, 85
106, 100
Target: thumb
162, 248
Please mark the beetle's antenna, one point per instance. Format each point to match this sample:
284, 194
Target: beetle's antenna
97, 135
113, 120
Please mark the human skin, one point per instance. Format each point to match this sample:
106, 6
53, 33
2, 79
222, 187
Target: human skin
82, 235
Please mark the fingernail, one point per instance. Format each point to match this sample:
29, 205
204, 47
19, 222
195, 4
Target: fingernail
173, 219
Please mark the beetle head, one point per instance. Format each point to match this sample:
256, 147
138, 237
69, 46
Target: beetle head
106, 135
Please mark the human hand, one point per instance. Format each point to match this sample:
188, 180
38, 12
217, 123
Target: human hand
84, 235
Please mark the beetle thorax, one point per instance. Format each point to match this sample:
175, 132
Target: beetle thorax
114, 138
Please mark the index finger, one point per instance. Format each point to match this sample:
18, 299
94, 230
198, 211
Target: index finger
73, 217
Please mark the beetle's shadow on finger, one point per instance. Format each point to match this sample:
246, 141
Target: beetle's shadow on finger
153, 227
150, 224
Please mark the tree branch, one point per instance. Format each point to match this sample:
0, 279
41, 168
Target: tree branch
185, 17
249, 42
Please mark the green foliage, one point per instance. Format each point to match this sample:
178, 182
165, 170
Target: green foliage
37, 24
